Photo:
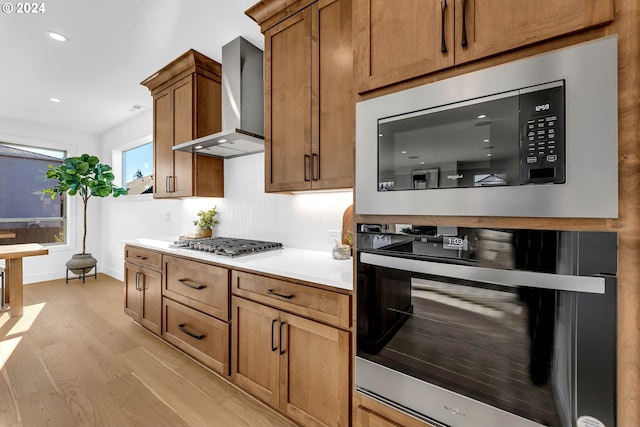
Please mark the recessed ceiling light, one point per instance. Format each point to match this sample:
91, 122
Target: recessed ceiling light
489, 155
380, 134
222, 141
57, 36
198, 147
404, 152
56, 100
486, 140
482, 116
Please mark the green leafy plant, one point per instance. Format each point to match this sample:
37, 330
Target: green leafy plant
84, 176
206, 218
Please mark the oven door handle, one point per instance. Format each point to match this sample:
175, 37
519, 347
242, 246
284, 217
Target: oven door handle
562, 282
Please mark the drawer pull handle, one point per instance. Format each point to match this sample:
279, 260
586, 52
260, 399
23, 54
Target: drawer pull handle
272, 292
273, 347
191, 285
141, 257
191, 334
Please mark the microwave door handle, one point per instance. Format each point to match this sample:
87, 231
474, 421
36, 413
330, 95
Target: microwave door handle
562, 282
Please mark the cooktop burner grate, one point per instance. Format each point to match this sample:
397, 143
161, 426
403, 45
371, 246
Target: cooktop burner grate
227, 246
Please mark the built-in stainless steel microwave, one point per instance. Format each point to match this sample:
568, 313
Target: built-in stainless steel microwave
535, 137
511, 138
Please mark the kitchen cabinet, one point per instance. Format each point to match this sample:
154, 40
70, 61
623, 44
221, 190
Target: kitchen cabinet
399, 40
196, 310
309, 98
297, 364
187, 104
370, 413
143, 287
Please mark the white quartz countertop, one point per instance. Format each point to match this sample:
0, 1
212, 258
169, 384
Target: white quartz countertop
302, 264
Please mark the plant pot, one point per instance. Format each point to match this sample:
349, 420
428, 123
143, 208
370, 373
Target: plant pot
204, 232
81, 263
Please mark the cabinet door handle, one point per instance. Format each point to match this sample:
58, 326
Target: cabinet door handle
280, 339
306, 157
443, 47
464, 42
167, 184
138, 281
272, 292
141, 257
315, 158
273, 346
190, 284
191, 334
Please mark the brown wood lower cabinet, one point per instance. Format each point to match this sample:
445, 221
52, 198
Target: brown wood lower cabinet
143, 287
371, 413
295, 364
203, 337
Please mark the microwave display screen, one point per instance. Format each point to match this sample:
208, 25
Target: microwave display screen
512, 138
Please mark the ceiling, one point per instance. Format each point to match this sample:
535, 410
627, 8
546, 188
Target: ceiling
113, 45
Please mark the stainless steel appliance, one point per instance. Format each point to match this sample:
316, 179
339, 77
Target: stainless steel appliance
512, 138
484, 327
227, 246
242, 105
492, 142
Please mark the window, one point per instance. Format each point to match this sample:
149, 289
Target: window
137, 169
24, 211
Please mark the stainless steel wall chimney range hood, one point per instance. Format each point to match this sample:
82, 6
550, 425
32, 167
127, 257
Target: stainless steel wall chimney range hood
242, 105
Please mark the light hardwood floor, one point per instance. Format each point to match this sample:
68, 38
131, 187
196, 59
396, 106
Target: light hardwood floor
75, 359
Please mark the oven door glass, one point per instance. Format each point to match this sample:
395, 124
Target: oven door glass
508, 347
468, 144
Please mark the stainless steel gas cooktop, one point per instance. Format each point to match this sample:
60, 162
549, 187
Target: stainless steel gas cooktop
227, 246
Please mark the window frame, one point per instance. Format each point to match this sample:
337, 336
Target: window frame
71, 204
118, 167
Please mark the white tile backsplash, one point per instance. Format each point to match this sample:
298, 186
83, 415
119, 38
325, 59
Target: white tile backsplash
298, 220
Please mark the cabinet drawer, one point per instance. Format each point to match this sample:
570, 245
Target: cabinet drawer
143, 257
202, 337
319, 304
198, 285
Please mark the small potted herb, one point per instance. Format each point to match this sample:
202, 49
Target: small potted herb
206, 221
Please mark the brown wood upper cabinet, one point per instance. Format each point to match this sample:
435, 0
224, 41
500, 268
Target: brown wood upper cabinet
397, 40
309, 103
186, 105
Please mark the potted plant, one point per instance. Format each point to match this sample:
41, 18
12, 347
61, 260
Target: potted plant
206, 222
87, 177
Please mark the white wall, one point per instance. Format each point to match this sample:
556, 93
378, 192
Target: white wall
300, 220
75, 143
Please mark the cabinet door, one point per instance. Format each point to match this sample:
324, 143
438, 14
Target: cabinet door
494, 26
333, 118
183, 132
397, 40
132, 295
150, 284
288, 104
162, 143
255, 349
314, 369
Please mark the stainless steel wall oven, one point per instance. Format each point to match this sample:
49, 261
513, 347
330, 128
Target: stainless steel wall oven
486, 327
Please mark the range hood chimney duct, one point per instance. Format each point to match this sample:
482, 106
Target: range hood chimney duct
242, 105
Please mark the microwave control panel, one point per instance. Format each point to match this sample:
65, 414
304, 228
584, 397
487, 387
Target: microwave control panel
542, 136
